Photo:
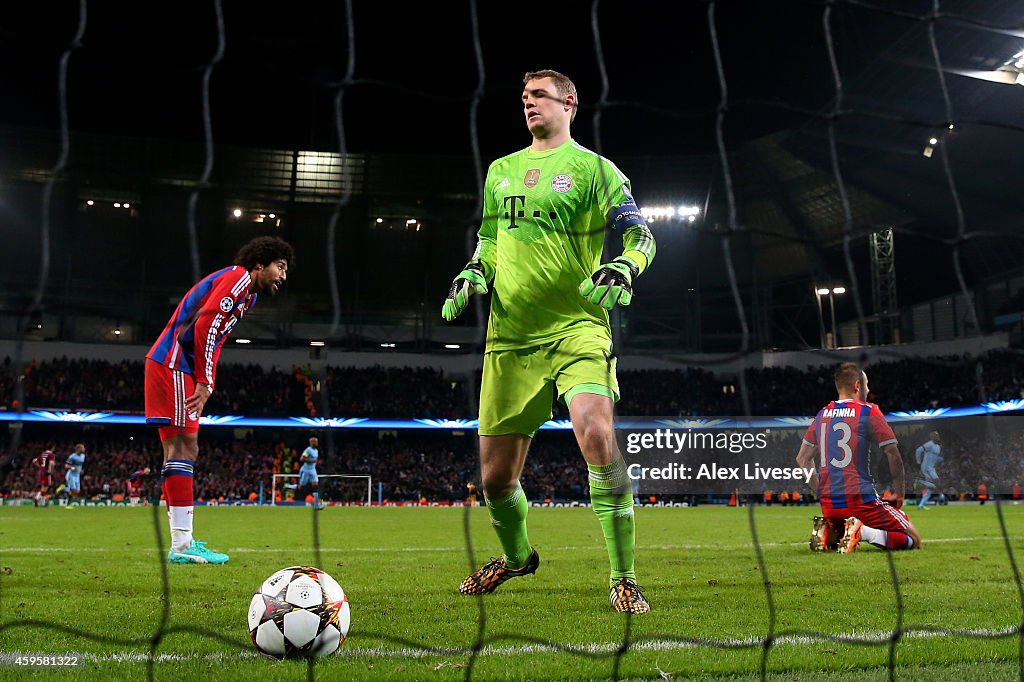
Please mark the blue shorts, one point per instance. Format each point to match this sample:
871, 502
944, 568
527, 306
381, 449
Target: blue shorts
308, 478
72, 481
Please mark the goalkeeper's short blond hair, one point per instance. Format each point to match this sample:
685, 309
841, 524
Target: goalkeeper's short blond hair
563, 84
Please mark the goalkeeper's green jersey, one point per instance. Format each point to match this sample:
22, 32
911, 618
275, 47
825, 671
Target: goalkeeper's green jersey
544, 222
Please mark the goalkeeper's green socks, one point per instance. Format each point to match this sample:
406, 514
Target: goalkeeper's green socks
612, 498
508, 516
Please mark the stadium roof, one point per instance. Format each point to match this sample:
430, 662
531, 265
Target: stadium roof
407, 106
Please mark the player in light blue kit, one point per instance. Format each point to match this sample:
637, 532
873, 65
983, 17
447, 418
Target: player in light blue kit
307, 472
73, 470
928, 455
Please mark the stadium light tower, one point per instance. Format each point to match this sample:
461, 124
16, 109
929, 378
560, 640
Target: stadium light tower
836, 290
831, 290
820, 291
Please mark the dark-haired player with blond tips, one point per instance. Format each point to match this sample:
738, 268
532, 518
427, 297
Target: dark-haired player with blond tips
181, 371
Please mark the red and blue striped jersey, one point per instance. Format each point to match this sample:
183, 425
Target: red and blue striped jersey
192, 340
843, 433
44, 461
133, 484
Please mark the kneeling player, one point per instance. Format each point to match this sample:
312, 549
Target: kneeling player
841, 435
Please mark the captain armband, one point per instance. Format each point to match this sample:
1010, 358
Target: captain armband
626, 215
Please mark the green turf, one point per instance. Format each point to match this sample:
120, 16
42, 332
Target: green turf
96, 573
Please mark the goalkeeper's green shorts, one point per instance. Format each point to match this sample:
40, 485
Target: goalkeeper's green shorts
516, 392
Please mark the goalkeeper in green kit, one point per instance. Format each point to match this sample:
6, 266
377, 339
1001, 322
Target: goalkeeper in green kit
546, 210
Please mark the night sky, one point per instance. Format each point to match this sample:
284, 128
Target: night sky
140, 67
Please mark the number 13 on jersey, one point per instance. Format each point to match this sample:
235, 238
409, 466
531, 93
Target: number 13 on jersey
841, 444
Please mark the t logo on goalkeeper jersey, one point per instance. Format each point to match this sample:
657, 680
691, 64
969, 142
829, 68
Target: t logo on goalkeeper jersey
511, 214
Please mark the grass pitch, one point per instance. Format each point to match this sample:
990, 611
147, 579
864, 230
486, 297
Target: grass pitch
90, 580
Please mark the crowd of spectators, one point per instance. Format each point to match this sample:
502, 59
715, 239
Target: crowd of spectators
396, 393
436, 466
101, 385
405, 393
410, 466
415, 465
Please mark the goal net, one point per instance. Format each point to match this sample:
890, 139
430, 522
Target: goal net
355, 489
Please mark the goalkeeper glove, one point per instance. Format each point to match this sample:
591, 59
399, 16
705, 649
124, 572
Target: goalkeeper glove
468, 282
611, 284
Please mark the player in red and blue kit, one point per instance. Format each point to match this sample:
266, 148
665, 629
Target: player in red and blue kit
181, 371
133, 485
44, 473
842, 435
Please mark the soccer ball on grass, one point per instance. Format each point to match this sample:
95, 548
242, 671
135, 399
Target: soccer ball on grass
299, 611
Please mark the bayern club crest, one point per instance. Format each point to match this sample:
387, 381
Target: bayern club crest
561, 184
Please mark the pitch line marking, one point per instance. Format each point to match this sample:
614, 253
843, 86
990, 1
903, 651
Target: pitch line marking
877, 638
381, 550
